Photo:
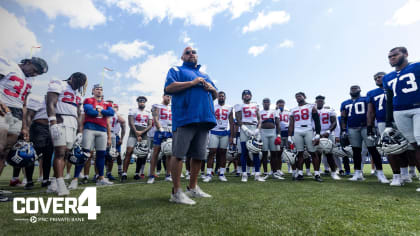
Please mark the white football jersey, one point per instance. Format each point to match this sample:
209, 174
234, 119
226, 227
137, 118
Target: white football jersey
303, 117
68, 99
249, 112
284, 119
268, 114
38, 106
115, 124
165, 115
222, 117
14, 86
141, 118
324, 117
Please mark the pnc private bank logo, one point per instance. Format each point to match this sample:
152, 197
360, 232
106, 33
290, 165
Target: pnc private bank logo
84, 204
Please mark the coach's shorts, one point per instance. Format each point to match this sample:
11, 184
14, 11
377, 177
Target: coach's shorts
359, 135
268, 137
160, 136
10, 123
94, 139
302, 139
114, 142
191, 141
408, 123
39, 135
243, 136
68, 130
218, 141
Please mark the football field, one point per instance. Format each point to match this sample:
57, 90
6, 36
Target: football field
253, 208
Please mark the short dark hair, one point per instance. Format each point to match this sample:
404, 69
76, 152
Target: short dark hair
300, 93
221, 92
141, 97
110, 101
266, 99
280, 101
379, 73
401, 49
320, 97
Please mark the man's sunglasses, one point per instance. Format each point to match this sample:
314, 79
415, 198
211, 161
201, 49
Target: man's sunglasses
190, 52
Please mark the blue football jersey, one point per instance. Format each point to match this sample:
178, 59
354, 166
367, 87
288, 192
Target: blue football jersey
378, 98
405, 84
356, 112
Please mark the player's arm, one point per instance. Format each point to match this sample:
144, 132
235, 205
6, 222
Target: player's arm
155, 115
231, 128
108, 131
25, 126
79, 120
122, 123
315, 117
28, 119
370, 116
149, 126
90, 110
131, 123
52, 99
238, 116
108, 111
278, 128
344, 119
333, 121
389, 107
291, 128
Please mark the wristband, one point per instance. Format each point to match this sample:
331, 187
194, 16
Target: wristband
51, 118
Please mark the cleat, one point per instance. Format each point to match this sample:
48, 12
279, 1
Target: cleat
299, 178
168, 178
244, 177
318, 178
151, 180
406, 179
45, 184
396, 182
110, 177
341, 172
103, 182
85, 180
308, 173
181, 198
29, 185
182, 175
207, 179
61, 188
418, 190
123, 178
67, 176
334, 176
52, 187
74, 184
197, 193
326, 172
120, 173
259, 178
278, 176
187, 177
136, 177
222, 178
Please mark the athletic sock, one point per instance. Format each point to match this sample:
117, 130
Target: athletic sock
209, 170
404, 171
300, 172
316, 172
222, 171
412, 169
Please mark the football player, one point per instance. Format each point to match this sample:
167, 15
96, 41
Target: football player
15, 84
301, 128
403, 100
117, 125
63, 99
96, 134
220, 137
328, 120
247, 115
284, 130
353, 118
271, 138
140, 122
162, 120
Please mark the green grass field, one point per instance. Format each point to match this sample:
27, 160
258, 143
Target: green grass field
253, 208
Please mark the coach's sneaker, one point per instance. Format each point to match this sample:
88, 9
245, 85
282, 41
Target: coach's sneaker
222, 178
244, 177
406, 179
396, 180
61, 187
181, 198
197, 192
258, 177
381, 177
103, 181
73, 185
52, 188
168, 178
151, 179
335, 176
207, 179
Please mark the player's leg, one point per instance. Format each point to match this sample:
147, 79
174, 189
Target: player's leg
355, 138
376, 157
131, 141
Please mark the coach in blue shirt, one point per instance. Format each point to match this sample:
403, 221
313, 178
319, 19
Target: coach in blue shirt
192, 117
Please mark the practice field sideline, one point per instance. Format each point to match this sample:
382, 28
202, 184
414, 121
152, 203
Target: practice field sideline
274, 207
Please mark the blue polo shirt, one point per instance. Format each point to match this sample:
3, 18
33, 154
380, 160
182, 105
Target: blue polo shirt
192, 105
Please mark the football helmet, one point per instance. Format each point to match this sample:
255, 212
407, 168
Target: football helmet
22, 154
141, 149
231, 153
343, 152
77, 155
288, 157
393, 142
166, 147
325, 146
254, 144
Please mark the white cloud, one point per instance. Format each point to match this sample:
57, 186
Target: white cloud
198, 13
82, 13
407, 14
132, 50
266, 20
286, 44
151, 75
50, 28
186, 39
257, 50
17, 39
91, 56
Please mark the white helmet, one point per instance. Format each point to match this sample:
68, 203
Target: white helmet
380, 150
141, 149
254, 145
343, 152
288, 157
231, 153
325, 146
113, 152
166, 147
393, 142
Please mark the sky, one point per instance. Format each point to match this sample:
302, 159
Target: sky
275, 48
